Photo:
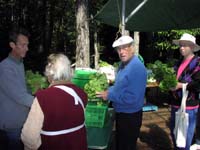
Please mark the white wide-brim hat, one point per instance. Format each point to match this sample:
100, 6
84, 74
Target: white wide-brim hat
123, 40
188, 38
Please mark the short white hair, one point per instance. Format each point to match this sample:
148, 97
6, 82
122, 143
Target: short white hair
58, 68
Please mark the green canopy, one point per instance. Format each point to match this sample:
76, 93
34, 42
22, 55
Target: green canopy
151, 15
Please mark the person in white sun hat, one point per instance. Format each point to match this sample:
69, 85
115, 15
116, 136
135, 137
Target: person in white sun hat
189, 40
127, 94
187, 71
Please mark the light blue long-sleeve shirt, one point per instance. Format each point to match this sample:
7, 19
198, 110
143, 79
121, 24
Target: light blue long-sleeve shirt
15, 101
127, 94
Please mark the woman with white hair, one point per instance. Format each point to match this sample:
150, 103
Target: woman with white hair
56, 119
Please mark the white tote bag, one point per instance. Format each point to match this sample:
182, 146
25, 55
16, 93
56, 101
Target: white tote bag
181, 121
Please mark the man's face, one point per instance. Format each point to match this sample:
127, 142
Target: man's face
186, 48
125, 52
20, 48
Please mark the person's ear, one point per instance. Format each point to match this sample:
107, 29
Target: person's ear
12, 44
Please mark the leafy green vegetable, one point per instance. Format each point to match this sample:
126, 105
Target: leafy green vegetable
158, 69
169, 81
98, 82
35, 81
103, 63
164, 74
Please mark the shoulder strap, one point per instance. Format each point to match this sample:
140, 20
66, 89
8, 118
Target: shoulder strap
70, 91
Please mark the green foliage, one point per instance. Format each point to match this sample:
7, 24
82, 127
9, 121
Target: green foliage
164, 74
171, 62
35, 81
98, 82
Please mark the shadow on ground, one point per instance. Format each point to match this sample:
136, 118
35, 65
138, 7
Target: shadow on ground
156, 138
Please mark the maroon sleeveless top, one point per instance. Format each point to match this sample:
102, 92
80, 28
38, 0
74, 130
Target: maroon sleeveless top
61, 113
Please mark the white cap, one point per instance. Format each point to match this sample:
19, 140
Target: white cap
123, 40
188, 38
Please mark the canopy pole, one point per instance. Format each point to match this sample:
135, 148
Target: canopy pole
123, 16
135, 10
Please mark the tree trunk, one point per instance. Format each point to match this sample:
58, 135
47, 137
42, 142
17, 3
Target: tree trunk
48, 25
96, 51
137, 42
82, 28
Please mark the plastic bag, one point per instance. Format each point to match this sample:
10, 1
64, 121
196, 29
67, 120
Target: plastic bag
181, 121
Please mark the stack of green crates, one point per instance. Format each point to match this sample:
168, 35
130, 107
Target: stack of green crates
96, 115
81, 77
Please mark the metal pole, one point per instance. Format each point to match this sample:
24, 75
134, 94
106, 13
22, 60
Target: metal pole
135, 10
123, 16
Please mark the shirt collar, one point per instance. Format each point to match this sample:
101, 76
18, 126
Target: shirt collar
18, 61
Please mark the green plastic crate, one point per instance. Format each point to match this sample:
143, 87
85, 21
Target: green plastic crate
80, 82
95, 115
83, 73
81, 77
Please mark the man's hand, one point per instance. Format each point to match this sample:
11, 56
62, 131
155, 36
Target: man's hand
103, 95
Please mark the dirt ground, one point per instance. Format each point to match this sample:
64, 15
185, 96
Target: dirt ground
155, 133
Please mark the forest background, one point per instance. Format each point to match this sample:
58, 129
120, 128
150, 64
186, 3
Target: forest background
68, 26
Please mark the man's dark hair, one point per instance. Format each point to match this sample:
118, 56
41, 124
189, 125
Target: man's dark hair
15, 32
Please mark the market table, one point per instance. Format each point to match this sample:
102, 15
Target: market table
100, 138
152, 84
148, 106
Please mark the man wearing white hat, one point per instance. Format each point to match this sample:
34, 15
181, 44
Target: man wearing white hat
188, 71
127, 94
